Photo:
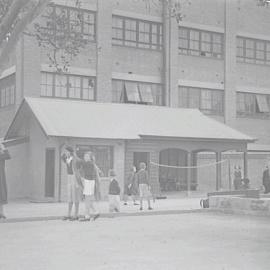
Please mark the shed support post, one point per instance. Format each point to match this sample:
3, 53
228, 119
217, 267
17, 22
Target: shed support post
189, 172
218, 170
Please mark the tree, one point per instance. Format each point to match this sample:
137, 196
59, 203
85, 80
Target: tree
15, 15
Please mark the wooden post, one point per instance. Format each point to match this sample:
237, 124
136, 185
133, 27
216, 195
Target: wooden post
189, 172
218, 171
245, 157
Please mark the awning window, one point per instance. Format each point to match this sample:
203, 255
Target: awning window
262, 103
146, 93
132, 92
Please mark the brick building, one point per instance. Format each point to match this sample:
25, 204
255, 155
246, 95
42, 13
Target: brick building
216, 59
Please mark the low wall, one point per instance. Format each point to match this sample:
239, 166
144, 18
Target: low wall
240, 205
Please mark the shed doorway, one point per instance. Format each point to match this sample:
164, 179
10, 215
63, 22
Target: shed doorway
173, 179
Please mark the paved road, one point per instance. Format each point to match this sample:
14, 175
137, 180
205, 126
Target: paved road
184, 241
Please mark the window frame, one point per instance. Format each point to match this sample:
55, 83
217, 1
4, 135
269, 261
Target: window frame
137, 43
212, 101
81, 77
8, 91
244, 58
119, 96
91, 37
189, 50
93, 148
244, 98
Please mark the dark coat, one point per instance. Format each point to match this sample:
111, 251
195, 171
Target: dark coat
266, 177
114, 188
3, 185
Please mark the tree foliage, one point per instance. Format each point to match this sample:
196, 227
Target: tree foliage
60, 36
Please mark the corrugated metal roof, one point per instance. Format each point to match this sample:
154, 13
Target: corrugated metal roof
82, 119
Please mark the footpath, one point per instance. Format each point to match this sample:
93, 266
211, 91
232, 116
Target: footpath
22, 211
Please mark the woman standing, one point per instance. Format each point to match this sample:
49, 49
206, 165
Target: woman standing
74, 185
90, 179
4, 155
131, 187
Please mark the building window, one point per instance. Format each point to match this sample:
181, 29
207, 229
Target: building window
253, 51
64, 21
200, 43
250, 104
67, 86
137, 92
7, 91
137, 33
103, 156
207, 100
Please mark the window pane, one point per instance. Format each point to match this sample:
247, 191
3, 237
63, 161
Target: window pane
132, 92
89, 25
183, 97
74, 87
60, 86
194, 98
262, 103
206, 100
46, 84
157, 94
217, 102
88, 90
146, 93
117, 91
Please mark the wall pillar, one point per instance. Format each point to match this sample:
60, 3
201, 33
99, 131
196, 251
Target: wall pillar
104, 51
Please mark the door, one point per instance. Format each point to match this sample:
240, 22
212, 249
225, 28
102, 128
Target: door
49, 172
139, 157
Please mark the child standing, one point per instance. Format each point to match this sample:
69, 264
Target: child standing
144, 185
114, 193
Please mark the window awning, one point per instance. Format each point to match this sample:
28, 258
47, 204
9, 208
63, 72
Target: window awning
132, 92
262, 103
146, 93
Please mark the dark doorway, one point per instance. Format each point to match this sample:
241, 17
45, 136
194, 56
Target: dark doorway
49, 172
173, 179
139, 157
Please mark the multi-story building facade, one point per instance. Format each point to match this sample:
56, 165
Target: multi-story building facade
216, 59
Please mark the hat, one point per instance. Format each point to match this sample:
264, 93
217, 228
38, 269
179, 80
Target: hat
112, 173
69, 149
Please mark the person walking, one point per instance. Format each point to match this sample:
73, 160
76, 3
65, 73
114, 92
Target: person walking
144, 185
74, 184
114, 193
237, 181
131, 186
266, 180
4, 155
90, 177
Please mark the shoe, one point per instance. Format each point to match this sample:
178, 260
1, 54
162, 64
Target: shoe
135, 204
150, 208
84, 219
141, 208
66, 218
2, 217
125, 203
74, 218
116, 210
96, 216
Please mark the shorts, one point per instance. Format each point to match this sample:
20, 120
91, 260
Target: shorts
89, 187
73, 189
144, 191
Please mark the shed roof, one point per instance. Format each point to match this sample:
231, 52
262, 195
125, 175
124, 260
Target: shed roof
82, 119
